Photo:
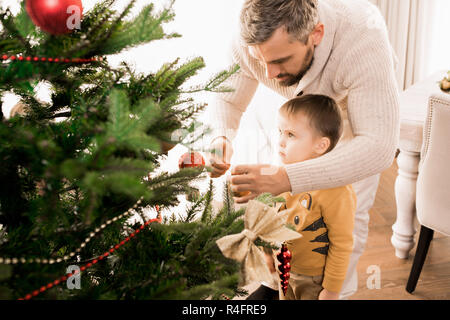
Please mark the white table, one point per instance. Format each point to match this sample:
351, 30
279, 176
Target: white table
413, 112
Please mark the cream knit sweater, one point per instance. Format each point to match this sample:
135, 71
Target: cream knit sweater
354, 64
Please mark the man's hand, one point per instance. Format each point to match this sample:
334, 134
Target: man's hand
219, 157
328, 295
258, 178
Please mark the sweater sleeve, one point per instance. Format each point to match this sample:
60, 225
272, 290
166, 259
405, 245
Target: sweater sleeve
338, 211
226, 111
367, 72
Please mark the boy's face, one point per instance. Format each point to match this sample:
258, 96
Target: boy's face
297, 140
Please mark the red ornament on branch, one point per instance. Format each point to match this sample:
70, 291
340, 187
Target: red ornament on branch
284, 257
55, 16
191, 160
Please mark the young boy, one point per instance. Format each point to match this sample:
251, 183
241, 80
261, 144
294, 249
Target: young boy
310, 127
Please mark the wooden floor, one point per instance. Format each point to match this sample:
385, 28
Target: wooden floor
434, 281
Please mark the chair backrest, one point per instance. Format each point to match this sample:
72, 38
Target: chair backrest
433, 182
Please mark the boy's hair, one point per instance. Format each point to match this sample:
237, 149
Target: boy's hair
323, 113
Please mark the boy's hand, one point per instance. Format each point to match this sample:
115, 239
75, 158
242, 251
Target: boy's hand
258, 178
219, 158
328, 295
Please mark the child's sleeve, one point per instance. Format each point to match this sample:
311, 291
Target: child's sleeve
338, 211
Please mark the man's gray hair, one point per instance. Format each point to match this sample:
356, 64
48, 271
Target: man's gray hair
260, 18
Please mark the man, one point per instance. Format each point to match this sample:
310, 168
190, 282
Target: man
320, 47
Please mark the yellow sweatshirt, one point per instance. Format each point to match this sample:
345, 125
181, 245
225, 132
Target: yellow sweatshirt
325, 219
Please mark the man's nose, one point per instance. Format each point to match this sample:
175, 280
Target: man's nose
272, 71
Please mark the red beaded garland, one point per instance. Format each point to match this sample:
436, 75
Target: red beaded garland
45, 59
90, 264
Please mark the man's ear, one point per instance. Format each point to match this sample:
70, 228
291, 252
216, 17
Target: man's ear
317, 34
322, 145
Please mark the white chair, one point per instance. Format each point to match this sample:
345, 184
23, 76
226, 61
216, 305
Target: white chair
433, 182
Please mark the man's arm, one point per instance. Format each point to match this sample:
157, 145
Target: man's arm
366, 71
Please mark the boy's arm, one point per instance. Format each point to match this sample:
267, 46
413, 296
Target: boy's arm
338, 211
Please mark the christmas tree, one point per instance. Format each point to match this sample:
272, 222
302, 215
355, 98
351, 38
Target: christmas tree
76, 169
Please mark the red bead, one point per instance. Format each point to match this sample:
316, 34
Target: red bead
132, 235
127, 239
42, 289
63, 278
89, 265
49, 285
83, 268
191, 160
122, 242
36, 59
56, 282
56, 60
13, 57
287, 267
116, 246
20, 58
28, 297
35, 293
106, 254
95, 261
285, 283
137, 230
66, 60
284, 275
147, 223
50, 59
142, 227
28, 58
287, 256
43, 59
111, 250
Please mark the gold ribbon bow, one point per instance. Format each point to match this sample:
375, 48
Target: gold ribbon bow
263, 222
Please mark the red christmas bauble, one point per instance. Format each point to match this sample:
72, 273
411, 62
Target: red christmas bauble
191, 160
55, 16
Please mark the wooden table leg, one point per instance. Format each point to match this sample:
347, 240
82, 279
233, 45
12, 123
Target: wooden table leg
405, 191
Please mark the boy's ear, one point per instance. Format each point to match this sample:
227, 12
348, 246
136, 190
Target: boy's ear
322, 145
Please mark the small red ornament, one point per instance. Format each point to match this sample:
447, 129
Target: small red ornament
55, 16
284, 257
191, 160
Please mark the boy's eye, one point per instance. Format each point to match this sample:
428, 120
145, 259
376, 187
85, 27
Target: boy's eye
290, 135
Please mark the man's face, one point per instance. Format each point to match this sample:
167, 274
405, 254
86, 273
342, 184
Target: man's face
285, 59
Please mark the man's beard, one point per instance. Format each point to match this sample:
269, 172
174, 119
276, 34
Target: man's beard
293, 79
